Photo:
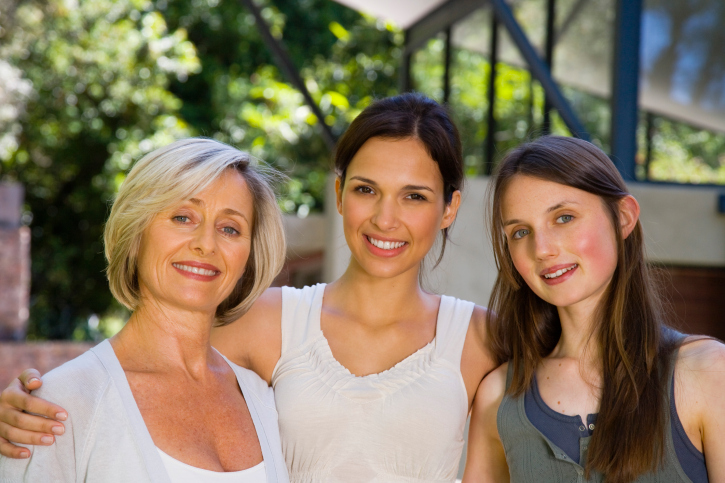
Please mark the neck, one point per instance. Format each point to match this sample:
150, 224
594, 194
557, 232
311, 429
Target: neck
161, 339
378, 300
578, 339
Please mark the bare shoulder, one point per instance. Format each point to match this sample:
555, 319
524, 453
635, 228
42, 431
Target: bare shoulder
254, 340
486, 458
700, 379
492, 389
478, 319
701, 358
700, 399
476, 360
476, 336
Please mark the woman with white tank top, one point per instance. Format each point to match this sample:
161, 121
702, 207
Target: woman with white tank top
373, 376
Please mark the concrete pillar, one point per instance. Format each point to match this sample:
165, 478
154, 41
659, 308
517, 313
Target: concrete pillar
14, 264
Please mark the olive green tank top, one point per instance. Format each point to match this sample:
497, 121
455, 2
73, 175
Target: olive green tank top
533, 458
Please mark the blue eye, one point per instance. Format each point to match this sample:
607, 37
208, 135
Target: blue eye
230, 231
181, 218
564, 219
518, 234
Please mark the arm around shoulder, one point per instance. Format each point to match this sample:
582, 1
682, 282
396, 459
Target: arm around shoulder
254, 341
485, 459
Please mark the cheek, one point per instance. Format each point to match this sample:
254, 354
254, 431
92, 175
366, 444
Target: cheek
599, 248
522, 262
426, 223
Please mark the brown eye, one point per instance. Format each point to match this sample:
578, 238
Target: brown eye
364, 189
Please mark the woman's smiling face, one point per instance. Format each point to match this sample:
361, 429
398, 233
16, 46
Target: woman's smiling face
393, 205
561, 240
192, 255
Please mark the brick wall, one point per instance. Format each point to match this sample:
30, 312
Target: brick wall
44, 356
14, 264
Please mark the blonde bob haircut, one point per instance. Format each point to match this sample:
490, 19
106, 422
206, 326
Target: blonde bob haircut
166, 177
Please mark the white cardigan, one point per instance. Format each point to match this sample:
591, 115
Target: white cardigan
105, 438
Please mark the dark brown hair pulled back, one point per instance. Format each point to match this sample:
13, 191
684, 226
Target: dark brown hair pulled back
408, 115
634, 343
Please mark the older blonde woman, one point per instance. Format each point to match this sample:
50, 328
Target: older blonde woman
193, 239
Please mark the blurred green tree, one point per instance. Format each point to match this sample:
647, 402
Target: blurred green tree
93, 96
87, 87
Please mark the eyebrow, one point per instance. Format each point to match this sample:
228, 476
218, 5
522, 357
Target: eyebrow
406, 187
226, 211
549, 210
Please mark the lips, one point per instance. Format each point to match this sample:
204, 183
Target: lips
558, 273
197, 270
555, 272
384, 244
384, 248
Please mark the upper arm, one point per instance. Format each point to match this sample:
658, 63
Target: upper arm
254, 341
700, 400
485, 459
476, 360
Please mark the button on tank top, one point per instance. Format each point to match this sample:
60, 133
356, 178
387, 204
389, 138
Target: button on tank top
404, 424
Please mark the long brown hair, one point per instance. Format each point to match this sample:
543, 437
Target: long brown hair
634, 343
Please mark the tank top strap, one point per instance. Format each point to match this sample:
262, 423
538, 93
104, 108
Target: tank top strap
301, 309
454, 316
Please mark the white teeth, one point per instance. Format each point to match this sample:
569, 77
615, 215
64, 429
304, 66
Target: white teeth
386, 245
200, 271
560, 272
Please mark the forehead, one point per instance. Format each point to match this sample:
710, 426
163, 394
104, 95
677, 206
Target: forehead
395, 160
527, 196
229, 190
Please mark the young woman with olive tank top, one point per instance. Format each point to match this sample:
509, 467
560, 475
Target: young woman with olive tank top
593, 387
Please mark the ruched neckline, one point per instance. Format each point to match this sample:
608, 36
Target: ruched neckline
339, 427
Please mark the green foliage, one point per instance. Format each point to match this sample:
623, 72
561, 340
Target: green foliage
681, 153
241, 98
98, 73
87, 87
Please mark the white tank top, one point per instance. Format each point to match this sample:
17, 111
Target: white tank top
401, 425
180, 472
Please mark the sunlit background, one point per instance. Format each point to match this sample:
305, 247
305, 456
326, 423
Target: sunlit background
88, 86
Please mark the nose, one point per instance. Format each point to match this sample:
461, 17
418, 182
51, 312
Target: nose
386, 214
204, 240
545, 245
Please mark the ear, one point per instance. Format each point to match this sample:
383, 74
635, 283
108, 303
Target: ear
628, 214
451, 210
338, 194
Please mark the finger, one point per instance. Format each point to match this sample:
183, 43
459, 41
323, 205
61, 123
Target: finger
9, 450
28, 422
30, 379
30, 404
21, 436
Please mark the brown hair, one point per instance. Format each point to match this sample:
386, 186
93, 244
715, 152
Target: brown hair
635, 346
408, 115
